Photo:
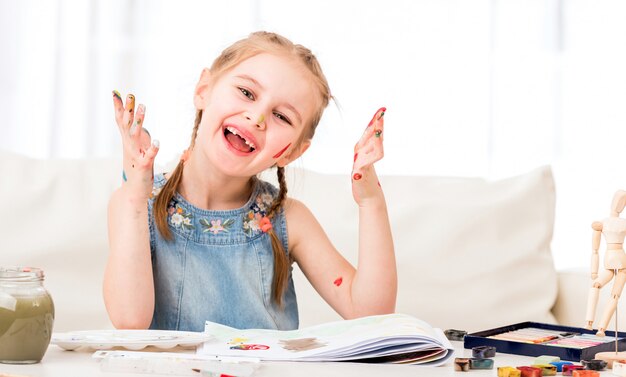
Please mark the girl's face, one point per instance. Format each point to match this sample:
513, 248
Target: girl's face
255, 114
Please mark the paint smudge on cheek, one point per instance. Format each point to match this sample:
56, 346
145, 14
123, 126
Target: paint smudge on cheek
357, 176
277, 155
338, 281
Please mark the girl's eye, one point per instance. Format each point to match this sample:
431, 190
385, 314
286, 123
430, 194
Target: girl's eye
283, 118
246, 93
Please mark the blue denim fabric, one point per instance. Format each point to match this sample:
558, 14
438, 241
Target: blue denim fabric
218, 266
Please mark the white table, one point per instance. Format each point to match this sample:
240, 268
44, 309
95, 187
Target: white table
57, 363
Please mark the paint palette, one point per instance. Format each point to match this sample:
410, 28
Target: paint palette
129, 339
536, 339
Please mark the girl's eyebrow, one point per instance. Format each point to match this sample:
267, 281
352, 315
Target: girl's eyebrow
248, 78
286, 104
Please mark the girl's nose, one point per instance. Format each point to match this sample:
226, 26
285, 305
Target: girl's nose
259, 120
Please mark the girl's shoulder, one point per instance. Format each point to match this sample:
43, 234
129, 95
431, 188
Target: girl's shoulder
159, 181
263, 196
265, 187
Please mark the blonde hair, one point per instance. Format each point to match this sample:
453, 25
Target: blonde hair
255, 44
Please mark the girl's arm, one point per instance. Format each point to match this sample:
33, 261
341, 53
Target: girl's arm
128, 284
371, 288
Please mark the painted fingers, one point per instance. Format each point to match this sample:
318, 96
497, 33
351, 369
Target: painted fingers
124, 111
369, 148
139, 150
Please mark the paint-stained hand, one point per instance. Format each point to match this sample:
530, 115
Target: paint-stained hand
139, 152
367, 151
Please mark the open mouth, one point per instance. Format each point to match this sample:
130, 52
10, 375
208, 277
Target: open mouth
237, 141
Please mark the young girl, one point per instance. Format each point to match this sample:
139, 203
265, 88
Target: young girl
216, 243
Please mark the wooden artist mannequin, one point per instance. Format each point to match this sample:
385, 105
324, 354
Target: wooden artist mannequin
614, 230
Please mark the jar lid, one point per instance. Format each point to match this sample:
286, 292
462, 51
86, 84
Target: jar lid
25, 274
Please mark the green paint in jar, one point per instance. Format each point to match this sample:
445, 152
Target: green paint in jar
26, 315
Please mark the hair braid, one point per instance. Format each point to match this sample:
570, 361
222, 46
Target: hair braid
282, 192
281, 262
171, 187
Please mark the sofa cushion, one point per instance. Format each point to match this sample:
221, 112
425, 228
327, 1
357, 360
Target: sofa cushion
471, 254
54, 217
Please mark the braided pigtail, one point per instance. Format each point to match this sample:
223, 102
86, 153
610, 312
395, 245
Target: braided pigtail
171, 186
281, 263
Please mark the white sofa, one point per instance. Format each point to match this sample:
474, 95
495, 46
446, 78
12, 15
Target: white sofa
471, 254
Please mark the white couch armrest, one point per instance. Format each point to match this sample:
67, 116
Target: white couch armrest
571, 304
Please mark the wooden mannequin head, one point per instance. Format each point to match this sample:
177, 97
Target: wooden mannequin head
619, 201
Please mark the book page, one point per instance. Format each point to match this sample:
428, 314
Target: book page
367, 338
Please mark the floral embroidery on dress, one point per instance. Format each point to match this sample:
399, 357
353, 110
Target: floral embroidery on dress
178, 216
251, 222
258, 209
155, 192
216, 226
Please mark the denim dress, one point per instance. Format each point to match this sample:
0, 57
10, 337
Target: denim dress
218, 266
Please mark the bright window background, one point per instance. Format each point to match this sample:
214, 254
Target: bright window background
489, 88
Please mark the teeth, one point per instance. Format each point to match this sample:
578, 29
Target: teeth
234, 132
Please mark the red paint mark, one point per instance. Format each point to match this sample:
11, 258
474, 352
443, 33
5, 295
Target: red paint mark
338, 281
249, 347
379, 185
355, 156
380, 111
282, 151
357, 176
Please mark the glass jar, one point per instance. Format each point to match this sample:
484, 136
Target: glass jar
26, 315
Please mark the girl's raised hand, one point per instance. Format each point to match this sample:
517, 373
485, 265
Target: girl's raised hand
367, 151
139, 152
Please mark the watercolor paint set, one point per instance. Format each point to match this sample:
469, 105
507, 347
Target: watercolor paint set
537, 339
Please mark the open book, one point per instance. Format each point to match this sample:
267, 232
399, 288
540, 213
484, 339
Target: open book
392, 338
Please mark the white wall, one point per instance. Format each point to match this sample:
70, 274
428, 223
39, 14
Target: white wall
486, 88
